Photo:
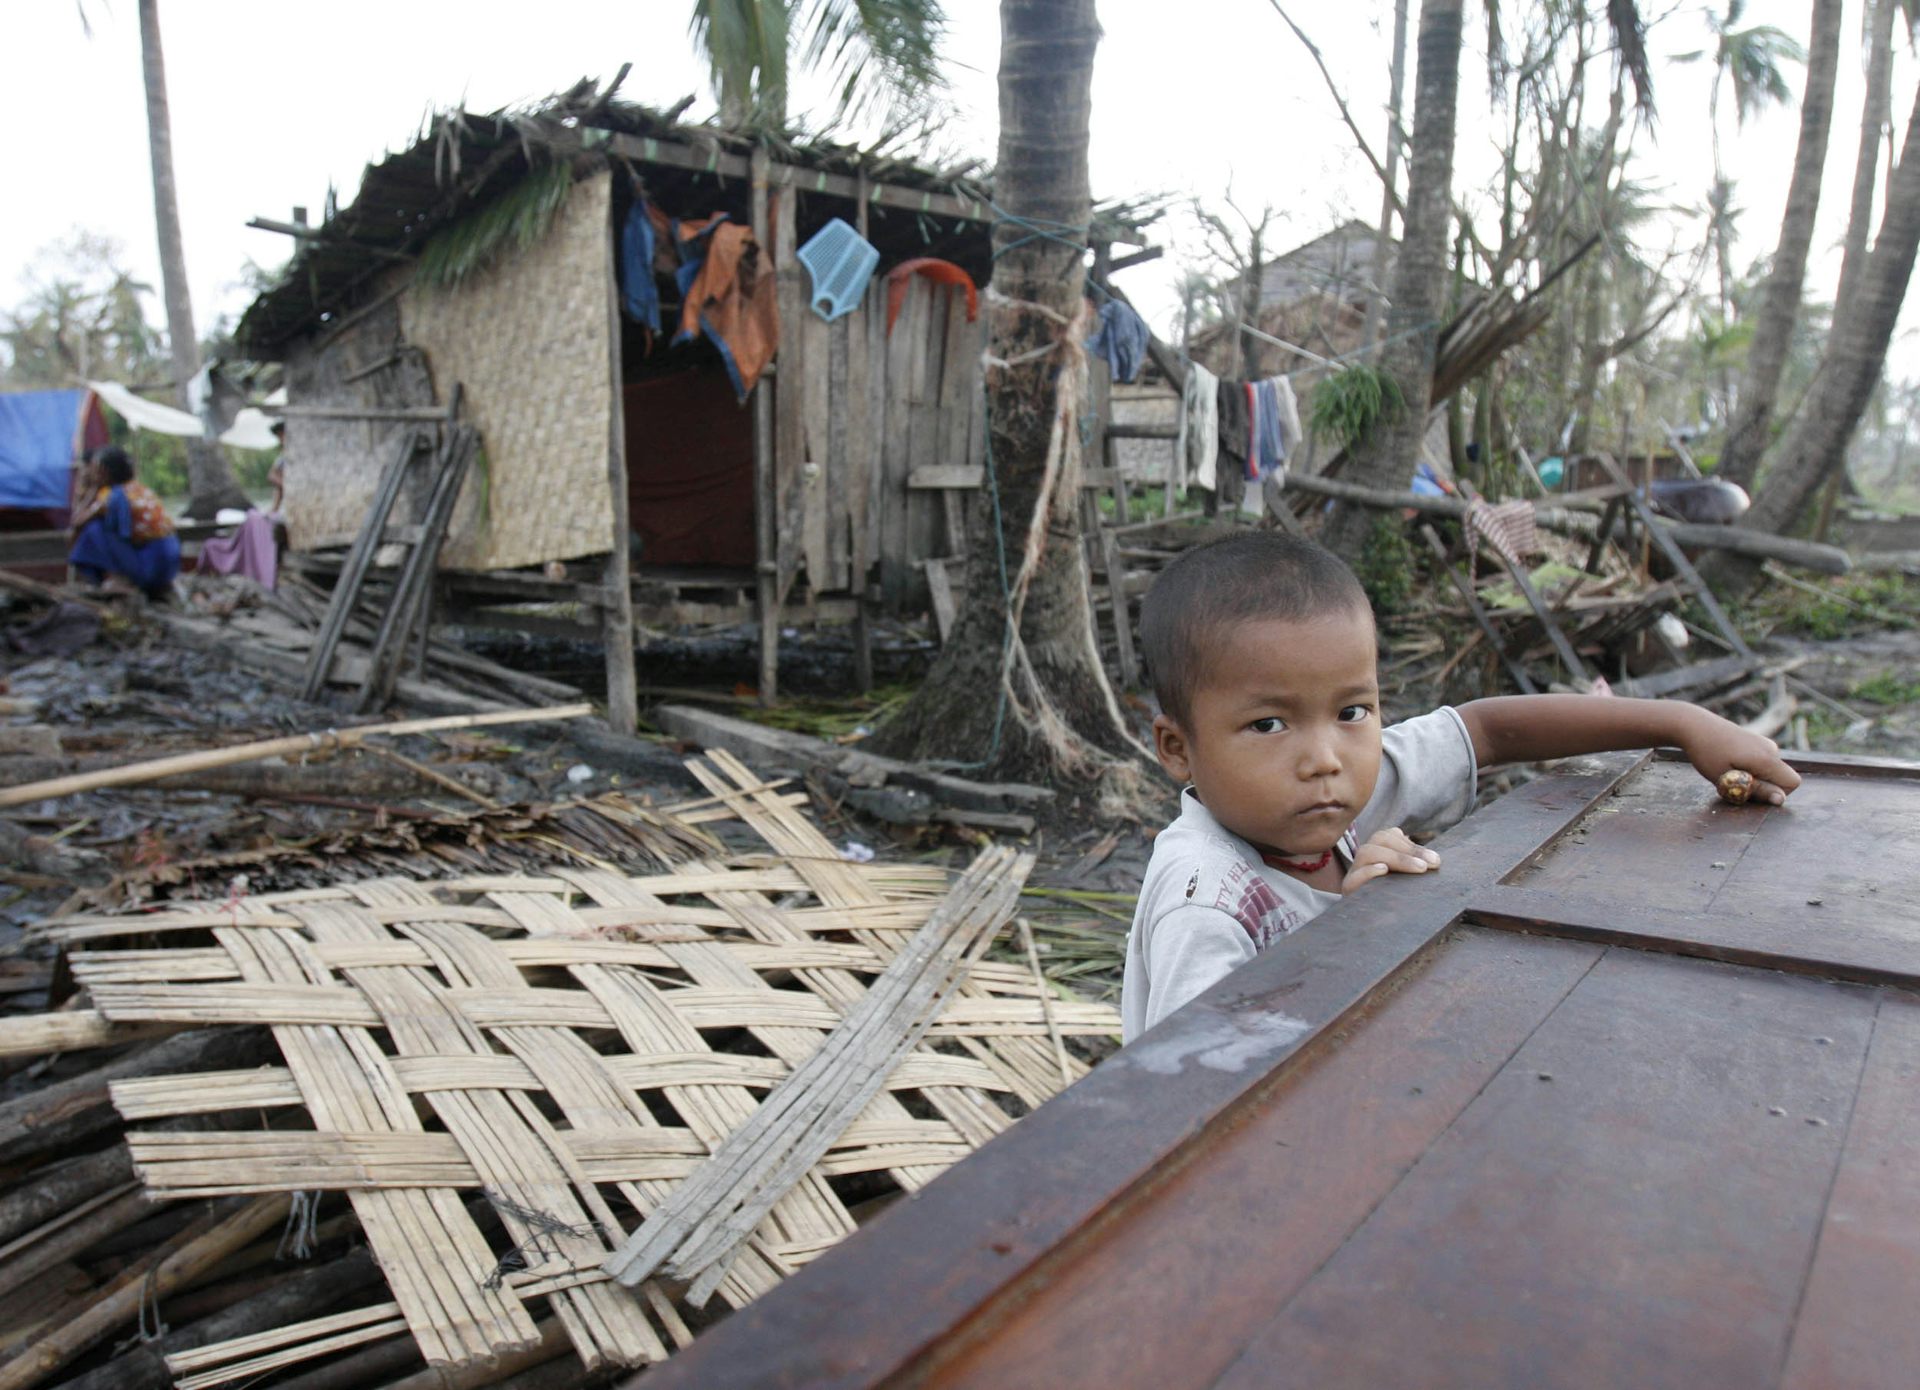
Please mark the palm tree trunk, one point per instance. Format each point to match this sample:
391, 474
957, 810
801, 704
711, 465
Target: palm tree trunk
1386, 458
1866, 163
1780, 301
1856, 352
1036, 707
209, 480
1383, 241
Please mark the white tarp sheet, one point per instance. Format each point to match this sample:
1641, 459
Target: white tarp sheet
251, 427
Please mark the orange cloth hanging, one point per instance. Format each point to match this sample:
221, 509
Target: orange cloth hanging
733, 298
940, 272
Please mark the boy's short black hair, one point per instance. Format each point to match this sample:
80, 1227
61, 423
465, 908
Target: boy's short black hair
1216, 586
115, 464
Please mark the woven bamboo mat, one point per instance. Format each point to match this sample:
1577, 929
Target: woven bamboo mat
573, 1046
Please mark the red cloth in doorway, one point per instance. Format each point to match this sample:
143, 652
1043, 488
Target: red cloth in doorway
690, 470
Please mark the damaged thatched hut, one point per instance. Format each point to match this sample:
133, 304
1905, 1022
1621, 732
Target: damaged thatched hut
598, 290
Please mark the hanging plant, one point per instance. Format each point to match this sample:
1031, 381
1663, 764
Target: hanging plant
1349, 404
508, 225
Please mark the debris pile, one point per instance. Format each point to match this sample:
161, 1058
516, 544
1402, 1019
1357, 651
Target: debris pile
404, 1128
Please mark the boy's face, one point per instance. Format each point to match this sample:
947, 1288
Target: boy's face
1282, 739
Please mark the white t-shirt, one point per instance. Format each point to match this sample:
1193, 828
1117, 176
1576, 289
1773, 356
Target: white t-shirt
1209, 904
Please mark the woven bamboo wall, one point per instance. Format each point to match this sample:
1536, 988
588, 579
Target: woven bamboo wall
529, 341
333, 467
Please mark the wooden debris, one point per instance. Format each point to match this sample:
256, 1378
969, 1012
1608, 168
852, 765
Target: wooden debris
850, 766
322, 741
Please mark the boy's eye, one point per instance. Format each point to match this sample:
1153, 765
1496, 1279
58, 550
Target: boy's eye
1355, 714
1269, 725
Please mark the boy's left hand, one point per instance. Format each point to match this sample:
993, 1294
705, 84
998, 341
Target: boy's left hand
1715, 746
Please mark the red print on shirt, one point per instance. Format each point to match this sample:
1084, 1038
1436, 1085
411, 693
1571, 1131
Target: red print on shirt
1252, 902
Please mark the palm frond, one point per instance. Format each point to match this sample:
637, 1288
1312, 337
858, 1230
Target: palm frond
1630, 37
507, 225
875, 50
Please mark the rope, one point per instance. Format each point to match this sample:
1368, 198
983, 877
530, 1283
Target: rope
1073, 237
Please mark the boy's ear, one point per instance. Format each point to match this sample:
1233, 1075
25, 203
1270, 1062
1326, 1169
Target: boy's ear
1170, 746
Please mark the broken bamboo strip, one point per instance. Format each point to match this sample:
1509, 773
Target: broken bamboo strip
1046, 999
697, 1231
323, 741
36, 1034
224, 1353
177, 1263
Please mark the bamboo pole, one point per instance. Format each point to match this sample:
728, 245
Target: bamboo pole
175, 1264
325, 741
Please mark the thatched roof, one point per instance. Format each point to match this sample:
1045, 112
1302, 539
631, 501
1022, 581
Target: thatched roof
463, 161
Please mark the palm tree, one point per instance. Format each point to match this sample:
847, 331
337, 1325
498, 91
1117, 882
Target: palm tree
1019, 688
1752, 60
210, 481
1385, 459
1816, 444
1780, 300
876, 50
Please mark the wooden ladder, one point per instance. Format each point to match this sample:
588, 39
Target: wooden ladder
406, 615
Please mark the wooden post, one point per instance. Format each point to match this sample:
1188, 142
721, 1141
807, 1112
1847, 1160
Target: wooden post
765, 567
862, 559
616, 614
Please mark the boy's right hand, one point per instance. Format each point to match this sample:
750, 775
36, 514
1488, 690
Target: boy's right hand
1388, 851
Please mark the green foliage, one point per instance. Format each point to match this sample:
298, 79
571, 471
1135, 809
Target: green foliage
874, 51
1855, 603
1888, 689
1386, 568
510, 224
1351, 403
84, 316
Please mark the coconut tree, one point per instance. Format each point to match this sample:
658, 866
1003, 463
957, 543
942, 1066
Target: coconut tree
1752, 62
1019, 690
1780, 300
1816, 443
210, 481
1385, 459
875, 50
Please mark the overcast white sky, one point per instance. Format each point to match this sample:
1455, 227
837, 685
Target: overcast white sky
273, 102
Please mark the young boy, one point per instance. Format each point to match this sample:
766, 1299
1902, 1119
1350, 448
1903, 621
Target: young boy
1261, 649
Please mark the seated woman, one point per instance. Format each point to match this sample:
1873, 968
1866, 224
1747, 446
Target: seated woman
124, 537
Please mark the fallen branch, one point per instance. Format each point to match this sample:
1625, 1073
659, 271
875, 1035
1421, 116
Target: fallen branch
328, 740
1763, 545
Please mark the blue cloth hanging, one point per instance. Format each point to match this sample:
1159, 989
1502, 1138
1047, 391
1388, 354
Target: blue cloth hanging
37, 437
638, 293
1121, 339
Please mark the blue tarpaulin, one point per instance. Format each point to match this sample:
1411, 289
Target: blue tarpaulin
37, 437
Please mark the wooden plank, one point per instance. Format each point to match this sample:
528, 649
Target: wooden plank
977, 1239
725, 164
816, 483
959, 375
965, 477
766, 491
839, 487
616, 629
1856, 1326
1349, 1130
1591, 1178
789, 401
940, 587
896, 546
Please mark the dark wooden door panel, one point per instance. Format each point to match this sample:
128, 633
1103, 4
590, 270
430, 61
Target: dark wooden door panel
1215, 1248
1627, 1095
1839, 857
1859, 1326
1679, 839
1633, 1201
